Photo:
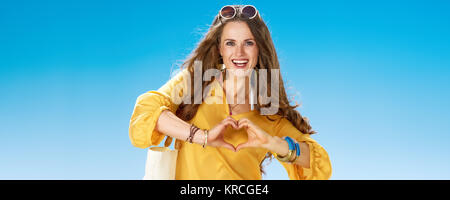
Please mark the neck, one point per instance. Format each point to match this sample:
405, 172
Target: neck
237, 92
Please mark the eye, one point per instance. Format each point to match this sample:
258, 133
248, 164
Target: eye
229, 43
249, 43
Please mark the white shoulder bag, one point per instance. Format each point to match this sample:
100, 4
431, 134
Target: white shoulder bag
161, 162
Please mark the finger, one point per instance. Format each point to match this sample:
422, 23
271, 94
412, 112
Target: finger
228, 146
230, 122
230, 119
260, 134
243, 145
242, 120
242, 124
247, 123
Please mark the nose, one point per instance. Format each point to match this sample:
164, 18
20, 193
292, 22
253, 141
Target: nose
239, 50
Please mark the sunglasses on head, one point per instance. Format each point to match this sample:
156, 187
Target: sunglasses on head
248, 11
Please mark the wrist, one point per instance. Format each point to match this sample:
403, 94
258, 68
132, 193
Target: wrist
279, 146
199, 137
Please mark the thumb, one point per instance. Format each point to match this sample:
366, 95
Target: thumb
242, 146
228, 146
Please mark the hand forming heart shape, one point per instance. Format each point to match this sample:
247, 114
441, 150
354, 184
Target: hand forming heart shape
256, 136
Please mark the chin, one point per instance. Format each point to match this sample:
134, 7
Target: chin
240, 71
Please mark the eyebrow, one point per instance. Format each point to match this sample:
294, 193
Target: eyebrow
235, 40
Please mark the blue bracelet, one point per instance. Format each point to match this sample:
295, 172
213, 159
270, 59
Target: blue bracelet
291, 143
297, 148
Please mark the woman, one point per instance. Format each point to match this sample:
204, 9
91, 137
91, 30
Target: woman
218, 137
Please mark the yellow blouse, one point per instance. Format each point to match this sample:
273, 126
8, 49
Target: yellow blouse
195, 162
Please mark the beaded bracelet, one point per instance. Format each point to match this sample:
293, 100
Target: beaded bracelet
193, 130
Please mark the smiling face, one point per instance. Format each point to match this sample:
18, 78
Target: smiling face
238, 46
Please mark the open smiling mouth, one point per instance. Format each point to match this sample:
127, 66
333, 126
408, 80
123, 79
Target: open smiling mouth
240, 63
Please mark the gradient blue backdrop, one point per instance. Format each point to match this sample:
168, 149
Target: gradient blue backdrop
372, 77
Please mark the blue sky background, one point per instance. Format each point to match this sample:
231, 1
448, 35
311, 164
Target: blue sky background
372, 77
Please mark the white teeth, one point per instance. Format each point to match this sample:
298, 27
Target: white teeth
240, 61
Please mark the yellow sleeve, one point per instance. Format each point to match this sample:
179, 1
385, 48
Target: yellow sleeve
320, 164
148, 108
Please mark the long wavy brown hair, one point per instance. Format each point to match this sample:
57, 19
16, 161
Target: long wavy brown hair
207, 52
